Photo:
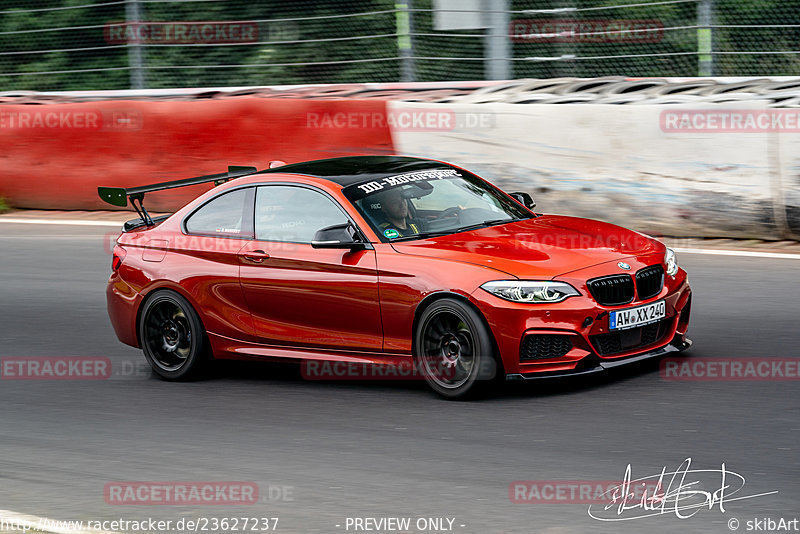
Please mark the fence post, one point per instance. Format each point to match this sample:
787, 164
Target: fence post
498, 48
705, 45
405, 39
133, 17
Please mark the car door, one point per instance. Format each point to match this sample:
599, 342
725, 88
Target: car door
303, 296
204, 259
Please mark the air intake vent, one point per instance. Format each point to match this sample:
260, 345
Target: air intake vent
649, 281
544, 346
634, 338
612, 290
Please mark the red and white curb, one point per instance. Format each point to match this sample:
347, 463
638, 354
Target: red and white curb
74, 222
739, 253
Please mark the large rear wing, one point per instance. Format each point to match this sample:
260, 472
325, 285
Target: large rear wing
118, 196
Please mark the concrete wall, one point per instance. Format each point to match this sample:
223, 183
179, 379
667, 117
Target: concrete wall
626, 164
617, 163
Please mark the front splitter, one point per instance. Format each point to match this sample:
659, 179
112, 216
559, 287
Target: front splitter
605, 365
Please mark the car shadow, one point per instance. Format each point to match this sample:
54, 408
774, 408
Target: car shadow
291, 373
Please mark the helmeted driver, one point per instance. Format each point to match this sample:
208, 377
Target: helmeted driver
394, 207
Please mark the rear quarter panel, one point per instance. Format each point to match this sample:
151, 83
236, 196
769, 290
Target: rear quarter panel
205, 270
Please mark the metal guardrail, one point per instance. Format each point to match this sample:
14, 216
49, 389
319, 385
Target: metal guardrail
777, 92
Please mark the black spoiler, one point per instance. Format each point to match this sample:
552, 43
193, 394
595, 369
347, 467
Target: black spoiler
118, 196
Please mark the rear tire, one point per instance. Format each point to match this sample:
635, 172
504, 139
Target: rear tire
173, 338
454, 350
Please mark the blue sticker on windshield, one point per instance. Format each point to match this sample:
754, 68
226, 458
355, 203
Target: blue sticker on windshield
391, 233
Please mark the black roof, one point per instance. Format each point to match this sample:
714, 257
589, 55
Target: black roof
351, 170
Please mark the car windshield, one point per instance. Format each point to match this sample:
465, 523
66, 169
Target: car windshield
432, 202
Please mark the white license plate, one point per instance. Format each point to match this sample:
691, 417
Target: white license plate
633, 317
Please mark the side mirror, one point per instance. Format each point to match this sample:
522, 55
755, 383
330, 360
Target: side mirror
525, 199
338, 236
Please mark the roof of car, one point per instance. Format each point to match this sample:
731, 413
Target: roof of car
351, 170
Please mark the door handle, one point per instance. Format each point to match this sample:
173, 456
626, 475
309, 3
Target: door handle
255, 256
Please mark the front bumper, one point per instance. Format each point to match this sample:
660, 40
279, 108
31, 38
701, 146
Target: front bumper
596, 365
576, 333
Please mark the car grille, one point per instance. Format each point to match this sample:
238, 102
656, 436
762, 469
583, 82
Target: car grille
649, 281
624, 340
544, 346
612, 290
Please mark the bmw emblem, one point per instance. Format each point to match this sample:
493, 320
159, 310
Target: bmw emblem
624, 266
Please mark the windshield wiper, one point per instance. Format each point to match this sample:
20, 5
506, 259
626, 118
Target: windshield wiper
484, 224
422, 235
439, 233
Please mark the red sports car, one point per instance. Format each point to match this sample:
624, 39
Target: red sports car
393, 261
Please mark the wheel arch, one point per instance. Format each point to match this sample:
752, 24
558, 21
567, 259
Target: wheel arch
167, 287
439, 295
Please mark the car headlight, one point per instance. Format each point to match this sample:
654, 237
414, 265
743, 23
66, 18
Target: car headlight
530, 291
671, 262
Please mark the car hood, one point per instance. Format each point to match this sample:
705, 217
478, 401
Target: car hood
543, 247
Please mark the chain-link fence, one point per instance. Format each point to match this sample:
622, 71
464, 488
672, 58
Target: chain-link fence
81, 45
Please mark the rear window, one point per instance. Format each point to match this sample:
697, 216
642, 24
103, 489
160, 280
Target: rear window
223, 216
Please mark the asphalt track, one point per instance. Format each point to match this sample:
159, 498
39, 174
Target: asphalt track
377, 449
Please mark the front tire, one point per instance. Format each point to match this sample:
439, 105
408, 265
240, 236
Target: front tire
173, 338
454, 350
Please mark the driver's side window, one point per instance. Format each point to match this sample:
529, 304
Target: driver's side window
293, 214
